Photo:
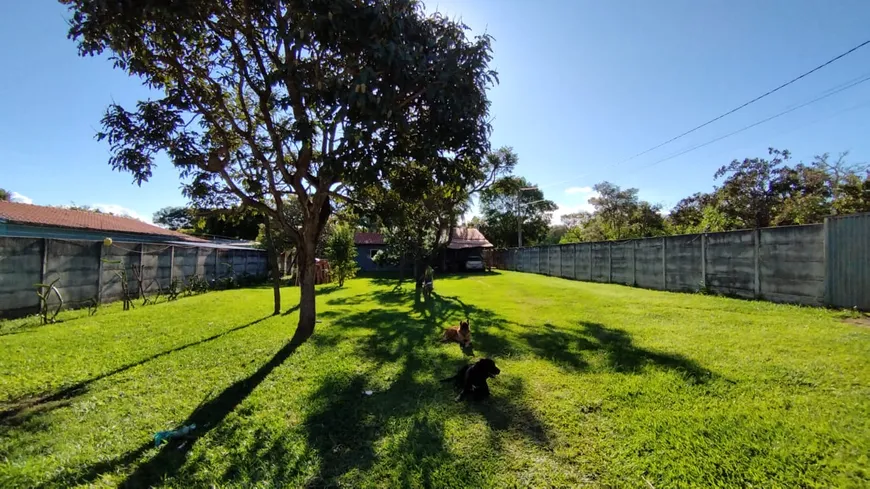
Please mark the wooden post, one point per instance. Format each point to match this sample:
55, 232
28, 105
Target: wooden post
704, 260
664, 264
757, 239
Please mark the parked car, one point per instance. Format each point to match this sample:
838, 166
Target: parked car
474, 263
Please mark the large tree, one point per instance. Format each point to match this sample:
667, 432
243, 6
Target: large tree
303, 99
499, 206
748, 194
5, 195
174, 218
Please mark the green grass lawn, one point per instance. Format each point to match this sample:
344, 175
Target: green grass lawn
601, 385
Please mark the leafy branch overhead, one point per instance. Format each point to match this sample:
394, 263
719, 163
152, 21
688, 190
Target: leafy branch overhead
266, 102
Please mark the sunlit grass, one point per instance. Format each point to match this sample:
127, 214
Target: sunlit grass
601, 385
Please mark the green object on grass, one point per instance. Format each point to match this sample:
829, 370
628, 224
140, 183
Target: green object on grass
165, 436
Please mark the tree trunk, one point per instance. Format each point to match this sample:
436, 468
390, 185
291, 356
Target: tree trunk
307, 309
274, 268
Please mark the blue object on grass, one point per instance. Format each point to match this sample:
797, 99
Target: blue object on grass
165, 436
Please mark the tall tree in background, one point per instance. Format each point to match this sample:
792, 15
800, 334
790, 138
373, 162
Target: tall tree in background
174, 218
418, 210
265, 101
498, 205
620, 213
748, 194
5, 196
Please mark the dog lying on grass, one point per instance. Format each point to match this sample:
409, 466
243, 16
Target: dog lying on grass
460, 334
472, 379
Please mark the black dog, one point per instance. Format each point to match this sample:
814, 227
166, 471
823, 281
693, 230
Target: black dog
472, 379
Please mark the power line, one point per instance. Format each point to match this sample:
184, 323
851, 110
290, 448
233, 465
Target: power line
792, 109
756, 99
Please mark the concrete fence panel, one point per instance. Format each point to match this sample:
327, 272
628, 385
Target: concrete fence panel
566, 254
600, 265
583, 262
554, 256
730, 267
622, 262
76, 264
185, 263
792, 264
648, 263
117, 261
20, 269
847, 258
683, 263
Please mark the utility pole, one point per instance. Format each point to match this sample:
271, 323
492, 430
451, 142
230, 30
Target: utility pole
520, 214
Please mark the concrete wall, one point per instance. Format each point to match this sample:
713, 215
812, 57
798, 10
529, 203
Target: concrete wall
20, 269
87, 271
785, 264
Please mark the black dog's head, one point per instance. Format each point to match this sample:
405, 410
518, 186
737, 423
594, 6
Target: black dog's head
463, 326
488, 366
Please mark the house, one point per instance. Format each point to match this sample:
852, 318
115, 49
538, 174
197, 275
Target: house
367, 245
36, 221
465, 242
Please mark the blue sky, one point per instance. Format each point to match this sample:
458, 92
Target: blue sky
584, 85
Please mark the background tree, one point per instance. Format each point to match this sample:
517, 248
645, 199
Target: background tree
174, 218
418, 209
341, 253
5, 196
498, 206
748, 195
289, 99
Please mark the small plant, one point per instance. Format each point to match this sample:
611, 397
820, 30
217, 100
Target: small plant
174, 289
121, 273
44, 292
703, 289
195, 284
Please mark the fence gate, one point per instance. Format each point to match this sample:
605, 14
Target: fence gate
847, 250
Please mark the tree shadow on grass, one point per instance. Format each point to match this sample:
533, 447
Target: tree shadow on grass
206, 417
16, 412
169, 459
566, 347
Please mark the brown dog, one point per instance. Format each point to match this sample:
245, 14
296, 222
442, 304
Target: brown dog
460, 334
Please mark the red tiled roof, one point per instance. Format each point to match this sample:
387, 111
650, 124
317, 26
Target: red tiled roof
368, 239
67, 218
468, 238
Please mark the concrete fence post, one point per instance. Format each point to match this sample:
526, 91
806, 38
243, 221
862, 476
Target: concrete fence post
664, 264
100, 274
826, 245
704, 260
757, 241
172, 263
574, 262
43, 267
634, 262
610, 262
590, 261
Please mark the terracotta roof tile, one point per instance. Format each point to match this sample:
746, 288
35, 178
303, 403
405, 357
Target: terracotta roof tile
67, 218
